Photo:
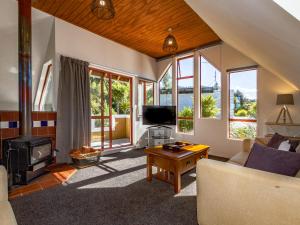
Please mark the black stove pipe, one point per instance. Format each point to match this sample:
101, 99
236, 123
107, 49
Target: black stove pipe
25, 70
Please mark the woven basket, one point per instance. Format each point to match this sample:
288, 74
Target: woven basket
85, 156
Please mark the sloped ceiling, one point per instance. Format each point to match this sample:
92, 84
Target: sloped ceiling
261, 30
138, 24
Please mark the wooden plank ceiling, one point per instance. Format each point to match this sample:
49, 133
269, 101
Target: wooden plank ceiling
138, 24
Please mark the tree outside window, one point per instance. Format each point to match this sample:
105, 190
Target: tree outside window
243, 104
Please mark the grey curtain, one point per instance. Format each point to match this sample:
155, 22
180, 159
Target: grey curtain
73, 107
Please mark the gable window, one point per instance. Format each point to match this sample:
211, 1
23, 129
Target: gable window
210, 90
243, 104
185, 95
43, 99
165, 88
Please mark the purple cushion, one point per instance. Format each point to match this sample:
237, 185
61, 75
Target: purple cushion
276, 140
280, 162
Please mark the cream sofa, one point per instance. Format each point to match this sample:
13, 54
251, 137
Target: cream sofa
230, 194
7, 216
241, 157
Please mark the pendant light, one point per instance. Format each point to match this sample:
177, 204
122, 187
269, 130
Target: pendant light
170, 44
103, 9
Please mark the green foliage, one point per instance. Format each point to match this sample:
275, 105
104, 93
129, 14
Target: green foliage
243, 132
120, 97
241, 113
186, 125
252, 109
243, 106
149, 96
239, 100
209, 108
125, 107
186, 112
95, 92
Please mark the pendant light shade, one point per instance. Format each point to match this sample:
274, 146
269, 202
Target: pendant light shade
170, 44
103, 9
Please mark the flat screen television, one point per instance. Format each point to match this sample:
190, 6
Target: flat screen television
159, 115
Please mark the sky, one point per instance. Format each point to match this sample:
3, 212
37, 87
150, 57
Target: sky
208, 72
244, 81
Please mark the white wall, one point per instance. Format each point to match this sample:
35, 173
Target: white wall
41, 32
78, 43
261, 30
214, 132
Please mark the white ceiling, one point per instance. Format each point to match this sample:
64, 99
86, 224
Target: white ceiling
260, 29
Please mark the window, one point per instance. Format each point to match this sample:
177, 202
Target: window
110, 96
43, 98
185, 94
165, 88
149, 90
243, 102
210, 90
145, 94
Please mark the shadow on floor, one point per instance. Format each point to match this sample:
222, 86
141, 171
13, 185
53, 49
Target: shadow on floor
115, 192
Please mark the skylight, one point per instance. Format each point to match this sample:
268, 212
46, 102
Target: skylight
291, 6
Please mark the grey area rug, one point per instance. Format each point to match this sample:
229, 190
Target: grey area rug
113, 193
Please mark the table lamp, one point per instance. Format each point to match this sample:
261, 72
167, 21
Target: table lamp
284, 100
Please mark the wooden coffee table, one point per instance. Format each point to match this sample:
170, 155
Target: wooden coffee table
171, 165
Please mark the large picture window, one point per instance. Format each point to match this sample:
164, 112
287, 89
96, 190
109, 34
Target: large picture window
185, 94
243, 104
165, 88
210, 90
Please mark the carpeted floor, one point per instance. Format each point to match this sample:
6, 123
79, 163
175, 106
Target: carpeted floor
115, 192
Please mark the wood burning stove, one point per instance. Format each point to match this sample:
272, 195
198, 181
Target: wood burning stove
26, 158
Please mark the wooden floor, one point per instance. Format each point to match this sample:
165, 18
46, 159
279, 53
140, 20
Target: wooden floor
58, 174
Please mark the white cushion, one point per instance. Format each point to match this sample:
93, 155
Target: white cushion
298, 149
285, 146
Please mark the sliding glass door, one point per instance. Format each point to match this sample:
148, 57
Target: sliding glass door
111, 120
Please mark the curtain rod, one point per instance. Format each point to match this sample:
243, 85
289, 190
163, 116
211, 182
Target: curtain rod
201, 47
242, 68
120, 72
109, 69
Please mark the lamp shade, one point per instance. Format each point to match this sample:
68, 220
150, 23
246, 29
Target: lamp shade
170, 44
103, 9
285, 99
